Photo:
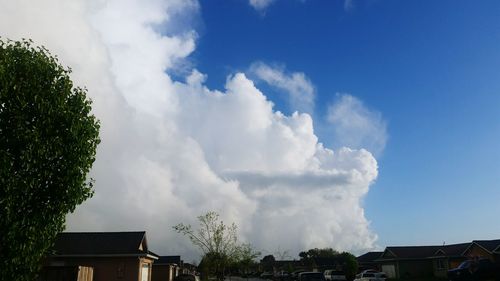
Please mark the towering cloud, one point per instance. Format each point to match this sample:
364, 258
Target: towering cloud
172, 150
296, 84
356, 125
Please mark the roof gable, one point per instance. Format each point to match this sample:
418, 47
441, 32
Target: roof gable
169, 260
488, 245
412, 252
452, 249
388, 254
100, 243
369, 257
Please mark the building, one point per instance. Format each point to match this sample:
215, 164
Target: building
121, 256
367, 261
405, 262
166, 268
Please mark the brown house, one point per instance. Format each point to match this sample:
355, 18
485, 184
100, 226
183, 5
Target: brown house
484, 248
166, 268
448, 257
121, 256
368, 261
434, 261
407, 261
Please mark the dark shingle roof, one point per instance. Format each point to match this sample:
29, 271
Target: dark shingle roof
413, 252
489, 245
169, 260
417, 252
453, 249
100, 243
369, 257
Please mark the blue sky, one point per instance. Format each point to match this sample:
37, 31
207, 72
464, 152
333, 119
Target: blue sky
187, 93
432, 70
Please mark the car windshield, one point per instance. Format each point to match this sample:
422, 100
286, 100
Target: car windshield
465, 264
312, 277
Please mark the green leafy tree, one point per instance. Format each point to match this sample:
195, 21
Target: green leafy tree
318, 253
48, 140
350, 265
245, 259
347, 260
218, 243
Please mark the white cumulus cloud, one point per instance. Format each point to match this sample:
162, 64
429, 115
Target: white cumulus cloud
260, 5
357, 126
295, 84
172, 150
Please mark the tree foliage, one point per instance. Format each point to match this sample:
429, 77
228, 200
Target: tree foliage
318, 253
350, 265
48, 140
218, 243
348, 261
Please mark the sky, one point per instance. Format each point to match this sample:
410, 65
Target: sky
353, 124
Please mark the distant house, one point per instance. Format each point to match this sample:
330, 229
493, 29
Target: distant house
484, 248
367, 261
433, 261
407, 261
122, 256
166, 268
448, 257
189, 268
321, 264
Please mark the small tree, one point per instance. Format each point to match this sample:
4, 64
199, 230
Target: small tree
350, 265
48, 140
218, 243
246, 258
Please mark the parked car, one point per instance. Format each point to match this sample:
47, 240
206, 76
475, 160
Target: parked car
266, 275
370, 275
331, 274
478, 269
282, 276
311, 276
295, 275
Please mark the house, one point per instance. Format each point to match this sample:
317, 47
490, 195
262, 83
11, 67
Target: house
407, 261
166, 268
367, 261
321, 264
434, 261
484, 248
122, 256
448, 257
188, 268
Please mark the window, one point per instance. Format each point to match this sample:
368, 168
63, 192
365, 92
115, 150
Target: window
145, 272
440, 264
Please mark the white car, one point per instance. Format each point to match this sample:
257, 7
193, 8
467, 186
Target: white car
331, 275
371, 276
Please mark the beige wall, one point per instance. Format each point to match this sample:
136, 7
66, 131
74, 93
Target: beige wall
163, 272
107, 268
476, 251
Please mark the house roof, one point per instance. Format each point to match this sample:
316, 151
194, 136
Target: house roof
452, 249
418, 252
169, 260
489, 245
369, 257
410, 252
101, 243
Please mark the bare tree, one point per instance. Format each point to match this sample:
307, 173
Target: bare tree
218, 243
